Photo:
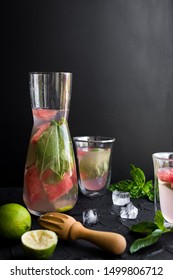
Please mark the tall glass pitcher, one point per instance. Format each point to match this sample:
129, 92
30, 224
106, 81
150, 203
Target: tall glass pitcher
50, 181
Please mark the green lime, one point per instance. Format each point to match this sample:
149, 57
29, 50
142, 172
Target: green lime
14, 220
39, 243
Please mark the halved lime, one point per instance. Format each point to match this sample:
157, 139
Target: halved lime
39, 243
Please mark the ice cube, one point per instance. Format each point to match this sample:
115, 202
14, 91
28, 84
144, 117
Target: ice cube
120, 198
90, 216
129, 211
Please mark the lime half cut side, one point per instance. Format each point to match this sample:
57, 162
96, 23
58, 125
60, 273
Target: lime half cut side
39, 244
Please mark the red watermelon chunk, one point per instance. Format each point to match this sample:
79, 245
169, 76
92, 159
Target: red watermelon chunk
166, 174
55, 191
74, 176
33, 184
39, 132
45, 114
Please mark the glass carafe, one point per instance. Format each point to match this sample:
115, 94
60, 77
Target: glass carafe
50, 181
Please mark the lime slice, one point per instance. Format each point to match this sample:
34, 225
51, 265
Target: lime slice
39, 244
65, 208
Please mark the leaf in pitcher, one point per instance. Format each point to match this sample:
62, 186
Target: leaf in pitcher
47, 150
66, 152
54, 151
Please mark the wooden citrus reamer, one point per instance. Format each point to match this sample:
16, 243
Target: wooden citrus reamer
67, 228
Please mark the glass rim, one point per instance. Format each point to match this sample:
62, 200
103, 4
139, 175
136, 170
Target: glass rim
94, 139
49, 73
161, 156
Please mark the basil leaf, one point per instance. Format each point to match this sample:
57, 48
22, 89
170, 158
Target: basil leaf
146, 241
148, 190
144, 227
95, 165
54, 150
137, 187
151, 196
123, 185
135, 190
47, 149
66, 154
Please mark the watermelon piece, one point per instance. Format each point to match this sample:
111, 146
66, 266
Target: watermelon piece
54, 191
33, 184
166, 174
39, 132
45, 114
74, 177
82, 151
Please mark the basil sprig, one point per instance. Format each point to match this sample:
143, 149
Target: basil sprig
153, 231
137, 186
54, 150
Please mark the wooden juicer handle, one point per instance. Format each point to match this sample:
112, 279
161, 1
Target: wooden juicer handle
111, 242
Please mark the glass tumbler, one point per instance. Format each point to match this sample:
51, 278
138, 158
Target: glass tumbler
93, 156
163, 185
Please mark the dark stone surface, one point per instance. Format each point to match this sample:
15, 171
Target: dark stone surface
109, 220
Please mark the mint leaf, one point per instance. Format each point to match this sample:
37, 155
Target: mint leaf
148, 190
66, 151
137, 187
146, 241
144, 227
124, 185
153, 230
54, 151
95, 165
47, 149
137, 176
135, 190
159, 220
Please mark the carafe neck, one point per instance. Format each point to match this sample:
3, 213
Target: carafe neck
51, 91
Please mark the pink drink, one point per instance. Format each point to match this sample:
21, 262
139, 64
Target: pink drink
50, 182
93, 167
165, 181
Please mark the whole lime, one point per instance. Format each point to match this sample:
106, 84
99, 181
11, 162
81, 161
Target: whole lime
14, 220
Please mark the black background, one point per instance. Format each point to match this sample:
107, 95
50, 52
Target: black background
121, 55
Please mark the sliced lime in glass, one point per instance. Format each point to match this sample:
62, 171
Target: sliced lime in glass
65, 208
39, 244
